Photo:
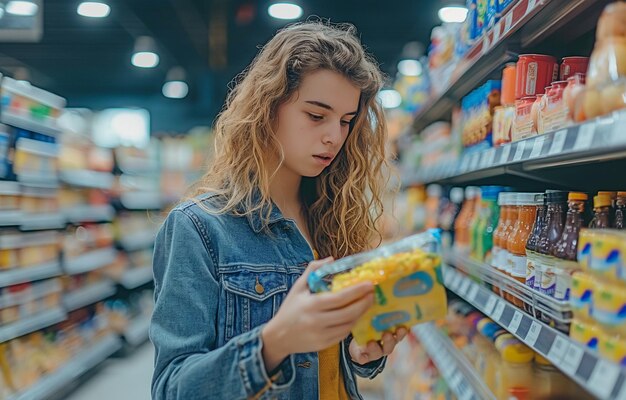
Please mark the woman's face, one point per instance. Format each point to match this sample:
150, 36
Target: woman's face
313, 124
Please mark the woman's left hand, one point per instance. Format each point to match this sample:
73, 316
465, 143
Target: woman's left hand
376, 350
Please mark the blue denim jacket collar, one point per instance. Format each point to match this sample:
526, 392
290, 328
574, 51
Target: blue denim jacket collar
255, 220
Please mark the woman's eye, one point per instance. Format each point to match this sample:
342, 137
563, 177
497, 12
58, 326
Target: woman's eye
315, 117
345, 123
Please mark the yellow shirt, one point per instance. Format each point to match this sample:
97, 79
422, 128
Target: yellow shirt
331, 383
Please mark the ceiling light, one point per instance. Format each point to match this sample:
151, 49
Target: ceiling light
285, 11
22, 8
390, 98
93, 9
453, 14
175, 89
410, 68
145, 55
175, 86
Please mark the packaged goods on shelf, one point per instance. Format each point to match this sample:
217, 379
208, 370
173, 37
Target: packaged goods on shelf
442, 55
83, 239
23, 250
10, 194
407, 284
478, 108
27, 299
38, 200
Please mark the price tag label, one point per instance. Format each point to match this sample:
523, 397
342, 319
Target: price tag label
558, 141
456, 282
485, 43
472, 293
464, 287
531, 5
558, 349
603, 378
474, 162
584, 140
464, 164
496, 32
515, 321
506, 152
572, 359
497, 313
622, 393
519, 151
491, 304
533, 333
508, 22
537, 146
488, 158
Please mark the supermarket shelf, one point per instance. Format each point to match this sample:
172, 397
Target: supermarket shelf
30, 274
50, 180
527, 23
137, 241
17, 299
31, 324
88, 295
10, 218
28, 124
86, 213
455, 368
87, 359
600, 377
90, 261
88, 179
35, 222
136, 277
137, 331
563, 158
141, 200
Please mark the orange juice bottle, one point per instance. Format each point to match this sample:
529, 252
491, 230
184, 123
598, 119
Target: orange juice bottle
462, 223
503, 221
516, 245
505, 255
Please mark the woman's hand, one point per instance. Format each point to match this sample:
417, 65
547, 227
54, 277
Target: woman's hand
376, 350
309, 322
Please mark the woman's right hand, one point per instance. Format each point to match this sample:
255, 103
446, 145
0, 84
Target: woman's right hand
308, 322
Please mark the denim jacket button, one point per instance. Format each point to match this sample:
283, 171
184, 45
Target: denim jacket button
259, 287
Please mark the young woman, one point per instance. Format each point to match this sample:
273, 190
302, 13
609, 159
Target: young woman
300, 147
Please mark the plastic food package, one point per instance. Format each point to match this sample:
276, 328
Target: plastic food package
408, 284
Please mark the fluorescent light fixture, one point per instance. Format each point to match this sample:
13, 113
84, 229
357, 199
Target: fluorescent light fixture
410, 67
175, 89
390, 98
22, 8
93, 9
285, 11
452, 14
145, 59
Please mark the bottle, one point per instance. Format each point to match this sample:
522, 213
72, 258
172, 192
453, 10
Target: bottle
449, 215
613, 196
473, 226
516, 245
566, 248
505, 255
433, 193
601, 212
489, 219
533, 239
461, 226
515, 377
620, 211
503, 220
555, 220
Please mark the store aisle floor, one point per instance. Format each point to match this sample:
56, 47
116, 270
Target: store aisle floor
126, 378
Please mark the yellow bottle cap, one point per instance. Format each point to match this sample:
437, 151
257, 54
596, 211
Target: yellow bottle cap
573, 196
601, 201
612, 195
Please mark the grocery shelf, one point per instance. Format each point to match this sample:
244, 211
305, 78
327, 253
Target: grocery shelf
31, 324
565, 158
527, 23
86, 213
90, 261
88, 179
137, 331
10, 218
136, 277
16, 299
28, 124
34, 222
602, 378
30, 274
456, 369
137, 241
141, 200
49, 180
85, 361
88, 295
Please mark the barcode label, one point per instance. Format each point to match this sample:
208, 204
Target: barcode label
533, 333
464, 287
531, 5
514, 325
572, 358
506, 152
537, 147
558, 141
603, 378
585, 136
472, 293
508, 22
497, 314
491, 304
519, 151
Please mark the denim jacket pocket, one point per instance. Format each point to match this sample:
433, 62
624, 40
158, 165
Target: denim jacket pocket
253, 296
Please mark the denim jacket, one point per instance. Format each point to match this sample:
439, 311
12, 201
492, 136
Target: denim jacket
218, 279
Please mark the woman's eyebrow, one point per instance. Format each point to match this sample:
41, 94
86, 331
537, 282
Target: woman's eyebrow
326, 106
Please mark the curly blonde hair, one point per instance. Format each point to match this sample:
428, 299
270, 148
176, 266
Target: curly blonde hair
343, 203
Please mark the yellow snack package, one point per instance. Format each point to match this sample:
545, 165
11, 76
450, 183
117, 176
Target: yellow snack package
408, 284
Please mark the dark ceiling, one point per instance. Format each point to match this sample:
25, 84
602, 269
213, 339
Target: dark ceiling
88, 60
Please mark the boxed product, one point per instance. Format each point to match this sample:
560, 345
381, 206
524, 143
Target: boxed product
407, 279
478, 109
